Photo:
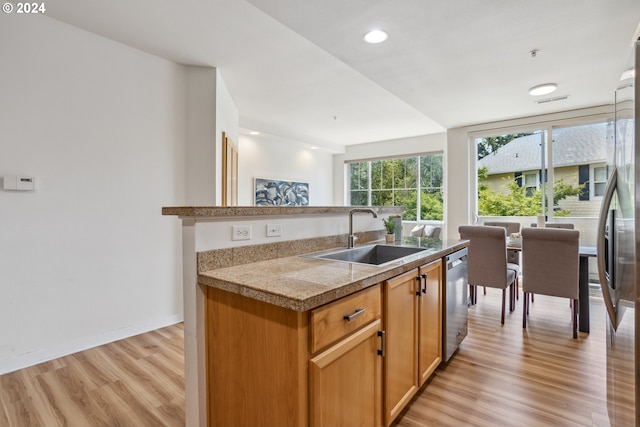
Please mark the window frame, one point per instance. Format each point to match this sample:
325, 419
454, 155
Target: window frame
592, 179
419, 185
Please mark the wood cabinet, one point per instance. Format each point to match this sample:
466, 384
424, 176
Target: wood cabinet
430, 320
412, 321
346, 381
270, 366
355, 361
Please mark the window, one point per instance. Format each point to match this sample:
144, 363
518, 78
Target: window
413, 182
514, 171
598, 181
530, 182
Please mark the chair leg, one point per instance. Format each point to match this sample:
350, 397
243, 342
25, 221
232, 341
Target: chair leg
504, 295
575, 318
512, 297
525, 300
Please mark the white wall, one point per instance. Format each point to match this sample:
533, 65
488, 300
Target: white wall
265, 156
88, 257
201, 152
227, 118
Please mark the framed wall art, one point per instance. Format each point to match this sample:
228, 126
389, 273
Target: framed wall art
275, 192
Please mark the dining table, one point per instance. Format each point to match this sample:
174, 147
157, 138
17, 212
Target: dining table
585, 253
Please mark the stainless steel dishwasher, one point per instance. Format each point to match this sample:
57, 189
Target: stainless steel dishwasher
456, 302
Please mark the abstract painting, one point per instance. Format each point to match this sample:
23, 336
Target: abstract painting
273, 192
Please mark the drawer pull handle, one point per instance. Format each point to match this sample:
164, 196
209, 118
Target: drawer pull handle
383, 343
349, 317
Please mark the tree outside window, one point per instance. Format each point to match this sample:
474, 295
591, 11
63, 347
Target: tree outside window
411, 182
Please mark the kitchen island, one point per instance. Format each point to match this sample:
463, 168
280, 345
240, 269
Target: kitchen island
265, 335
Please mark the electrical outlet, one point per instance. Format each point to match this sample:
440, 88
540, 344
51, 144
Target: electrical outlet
274, 230
240, 232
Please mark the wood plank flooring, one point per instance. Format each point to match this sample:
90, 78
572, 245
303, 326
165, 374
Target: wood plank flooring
507, 376
134, 382
501, 376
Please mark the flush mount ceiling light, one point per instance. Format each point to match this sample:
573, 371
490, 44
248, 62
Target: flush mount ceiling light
375, 36
543, 89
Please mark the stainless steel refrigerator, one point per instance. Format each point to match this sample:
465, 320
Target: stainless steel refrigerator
618, 250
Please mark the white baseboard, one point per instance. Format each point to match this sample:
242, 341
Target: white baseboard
44, 355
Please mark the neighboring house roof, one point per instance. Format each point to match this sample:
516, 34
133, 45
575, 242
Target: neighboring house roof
577, 145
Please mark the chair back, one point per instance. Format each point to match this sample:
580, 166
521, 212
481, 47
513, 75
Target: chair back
417, 230
487, 261
513, 257
431, 231
550, 261
511, 227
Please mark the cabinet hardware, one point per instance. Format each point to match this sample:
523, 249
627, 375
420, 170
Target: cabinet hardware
383, 343
419, 282
424, 289
355, 314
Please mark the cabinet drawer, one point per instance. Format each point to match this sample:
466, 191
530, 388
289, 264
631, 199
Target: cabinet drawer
335, 320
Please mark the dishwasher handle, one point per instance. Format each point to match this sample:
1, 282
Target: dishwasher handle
456, 262
457, 258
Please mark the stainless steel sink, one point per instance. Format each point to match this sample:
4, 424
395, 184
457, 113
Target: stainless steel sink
372, 254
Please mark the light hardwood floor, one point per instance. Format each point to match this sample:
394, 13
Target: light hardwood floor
134, 382
505, 376
501, 376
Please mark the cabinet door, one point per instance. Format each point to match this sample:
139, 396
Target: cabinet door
430, 324
346, 381
401, 358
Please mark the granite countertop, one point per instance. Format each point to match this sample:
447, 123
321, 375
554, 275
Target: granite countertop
302, 283
251, 211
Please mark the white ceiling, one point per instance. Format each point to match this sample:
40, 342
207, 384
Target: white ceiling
299, 69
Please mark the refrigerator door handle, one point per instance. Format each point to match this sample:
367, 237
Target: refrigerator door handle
600, 246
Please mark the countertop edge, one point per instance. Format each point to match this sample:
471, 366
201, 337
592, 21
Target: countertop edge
378, 274
236, 211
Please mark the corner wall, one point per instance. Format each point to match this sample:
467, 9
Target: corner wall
270, 157
87, 258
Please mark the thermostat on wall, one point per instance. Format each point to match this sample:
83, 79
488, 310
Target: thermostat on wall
19, 183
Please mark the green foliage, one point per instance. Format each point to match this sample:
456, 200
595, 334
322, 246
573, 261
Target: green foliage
515, 202
394, 182
389, 225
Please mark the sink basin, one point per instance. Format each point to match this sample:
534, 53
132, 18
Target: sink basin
374, 254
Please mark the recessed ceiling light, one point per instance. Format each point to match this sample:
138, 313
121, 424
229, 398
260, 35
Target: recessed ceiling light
253, 132
543, 89
313, 148
375, 36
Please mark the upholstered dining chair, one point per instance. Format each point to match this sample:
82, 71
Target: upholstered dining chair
550, 266
422, 230
417, 230
487, 261
431, 231
513, 256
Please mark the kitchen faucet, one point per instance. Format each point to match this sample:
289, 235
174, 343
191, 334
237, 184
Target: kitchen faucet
352, 238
